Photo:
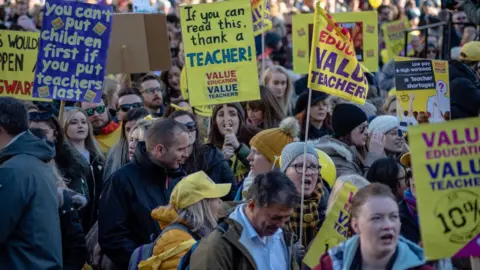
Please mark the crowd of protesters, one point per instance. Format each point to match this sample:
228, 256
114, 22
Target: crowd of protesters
141, 169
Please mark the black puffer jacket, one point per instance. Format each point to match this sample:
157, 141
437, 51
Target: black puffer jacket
74, 247
214, 165
129, 196
464, 91
95, 184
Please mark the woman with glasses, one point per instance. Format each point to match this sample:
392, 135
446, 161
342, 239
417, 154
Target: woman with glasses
390, 172
79, 133
204, 157
315, 195
348, 146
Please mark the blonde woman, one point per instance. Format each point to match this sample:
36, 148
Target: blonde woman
191, 215
355, 179
137, 134
79, 132
277, 80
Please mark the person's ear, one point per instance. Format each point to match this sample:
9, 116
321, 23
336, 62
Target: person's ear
160, 149
355, 225
251, 205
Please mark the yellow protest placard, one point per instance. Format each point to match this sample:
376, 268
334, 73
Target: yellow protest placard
335, 227
334, 68
18, 55
363, 30
446, 165
258, 22
205, 111
423, 91
394, 37
219, 53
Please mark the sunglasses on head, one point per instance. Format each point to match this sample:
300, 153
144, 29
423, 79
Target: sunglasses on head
99, 110
191, 126
128, 107
40, 116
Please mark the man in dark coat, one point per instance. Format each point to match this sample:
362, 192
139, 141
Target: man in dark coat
131, 193
30, 236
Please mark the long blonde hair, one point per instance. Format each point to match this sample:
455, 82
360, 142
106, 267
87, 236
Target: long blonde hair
91, 143
354, 179
198, 214
286, 101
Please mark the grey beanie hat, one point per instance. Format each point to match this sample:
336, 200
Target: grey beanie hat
292, 150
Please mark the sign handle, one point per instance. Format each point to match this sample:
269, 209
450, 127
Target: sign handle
62, 110
128, 80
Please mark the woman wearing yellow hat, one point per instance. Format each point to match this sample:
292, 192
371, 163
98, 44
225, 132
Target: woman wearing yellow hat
190, 215
266, 148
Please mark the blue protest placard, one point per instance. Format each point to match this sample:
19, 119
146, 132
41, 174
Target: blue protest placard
73, 51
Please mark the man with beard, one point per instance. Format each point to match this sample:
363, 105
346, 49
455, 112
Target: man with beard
133, 191
107, 132
152, 95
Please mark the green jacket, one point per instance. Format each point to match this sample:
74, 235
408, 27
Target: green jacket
222, 250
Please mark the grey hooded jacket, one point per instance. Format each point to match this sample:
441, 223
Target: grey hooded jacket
30, 236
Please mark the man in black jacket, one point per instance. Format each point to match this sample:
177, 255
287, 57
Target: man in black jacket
464, 82
30, 235
132, 192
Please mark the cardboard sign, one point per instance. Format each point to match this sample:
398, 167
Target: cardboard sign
335, 228
334, 68
423, 91
219, 53
139, 43
258, 21
18, 55
73, 51
446, 166
394, 37
362, 27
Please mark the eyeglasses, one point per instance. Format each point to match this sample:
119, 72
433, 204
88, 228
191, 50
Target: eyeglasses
40, 116
128, 107
100, 109
407, 177
312, 168
152, 90
191, 126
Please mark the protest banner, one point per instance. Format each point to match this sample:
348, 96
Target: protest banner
260, 23
334, 68
18, 55
73, 51
362, 27
335, 227
423, 91
219, 53
206, 110
446, 164
394, 37
139, 43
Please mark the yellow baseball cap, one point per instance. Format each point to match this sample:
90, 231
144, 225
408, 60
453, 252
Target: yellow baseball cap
470, 51
196, 187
